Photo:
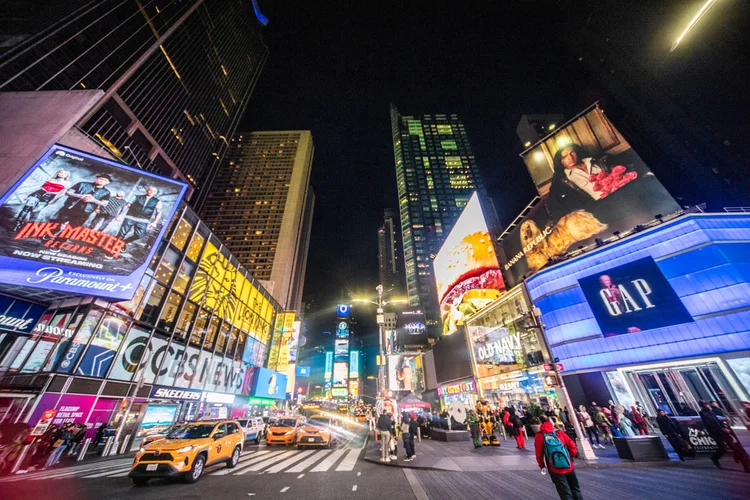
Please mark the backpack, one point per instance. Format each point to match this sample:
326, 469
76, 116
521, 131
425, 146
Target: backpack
556, 452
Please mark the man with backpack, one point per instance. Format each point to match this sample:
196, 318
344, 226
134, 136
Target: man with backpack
555, 451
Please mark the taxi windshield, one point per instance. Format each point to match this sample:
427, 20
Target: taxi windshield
193, 431
286, 422
322, 422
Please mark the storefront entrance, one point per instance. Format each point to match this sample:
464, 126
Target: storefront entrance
667, 388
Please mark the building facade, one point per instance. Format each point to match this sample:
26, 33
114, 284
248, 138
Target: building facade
436, 173
261, 207
660, 317
390, 256
177, 77
533, 128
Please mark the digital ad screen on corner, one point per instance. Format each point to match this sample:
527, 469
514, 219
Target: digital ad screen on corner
633, 297
84, 224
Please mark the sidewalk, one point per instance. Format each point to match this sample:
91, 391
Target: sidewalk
462, 456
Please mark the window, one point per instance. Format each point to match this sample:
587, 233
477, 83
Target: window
153, 304
196, 245
169, 311
211, 334
168, 266
186, 319
232, 428
187, 269
200, 327
181, 235
220, 431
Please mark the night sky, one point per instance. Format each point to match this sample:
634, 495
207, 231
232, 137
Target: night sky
334, 67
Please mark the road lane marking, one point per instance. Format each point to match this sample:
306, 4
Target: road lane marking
101, 474
265, 463
416, 488
300, 476
354, 488
310, 461
328, 462
349, 461
286, 463
284, 489
261, 455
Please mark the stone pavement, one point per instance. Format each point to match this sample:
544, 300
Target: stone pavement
461, 456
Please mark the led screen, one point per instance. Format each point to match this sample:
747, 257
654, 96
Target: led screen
592, 183
269, 384
467, 272
340, 373
633, 297
83, 224
411, 328
405, 373
156, 419
341, 348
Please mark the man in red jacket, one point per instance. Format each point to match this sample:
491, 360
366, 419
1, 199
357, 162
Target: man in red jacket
564, 478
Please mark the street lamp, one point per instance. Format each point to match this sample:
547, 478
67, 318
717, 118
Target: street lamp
380, 317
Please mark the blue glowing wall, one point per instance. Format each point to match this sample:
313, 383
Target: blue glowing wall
705, 258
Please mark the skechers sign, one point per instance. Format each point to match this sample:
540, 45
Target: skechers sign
78, 223
159, 392
633, 297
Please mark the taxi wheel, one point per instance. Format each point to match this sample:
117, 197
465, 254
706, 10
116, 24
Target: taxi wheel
257, 440
235, 459
197, 470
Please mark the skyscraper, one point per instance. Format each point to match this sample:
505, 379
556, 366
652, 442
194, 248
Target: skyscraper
436, 174
176, 76
261, 205
390, 260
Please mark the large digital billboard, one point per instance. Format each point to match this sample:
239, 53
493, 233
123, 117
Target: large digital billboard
84, 224
340, 373
269, 384
467, 272
592, 184
411, 328
632, 298
405, 372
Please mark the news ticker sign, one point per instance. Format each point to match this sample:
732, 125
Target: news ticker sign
78, 223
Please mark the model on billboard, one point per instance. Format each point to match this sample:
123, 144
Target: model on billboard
83, 199
106, 213
52, 189
143, 213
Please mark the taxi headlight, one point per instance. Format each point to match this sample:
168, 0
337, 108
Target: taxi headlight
185, 449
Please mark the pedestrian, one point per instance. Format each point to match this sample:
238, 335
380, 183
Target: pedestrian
644, 413
513, 423
639, 422
384, 433
686, 411
672, 432
473, 422
404, 428
78, 433
624, 425
604, 423
723, 437
589, 426
393, 446
554, 452
59, 446
717, 409
99, 435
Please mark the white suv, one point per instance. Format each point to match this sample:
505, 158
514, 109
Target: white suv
253, 428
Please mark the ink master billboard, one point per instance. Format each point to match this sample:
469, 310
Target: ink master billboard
83, 224
467, 272
592, 184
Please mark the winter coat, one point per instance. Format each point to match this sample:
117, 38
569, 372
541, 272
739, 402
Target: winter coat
384, 423
547, 428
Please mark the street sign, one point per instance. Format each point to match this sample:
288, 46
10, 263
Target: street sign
548, 367
44, 422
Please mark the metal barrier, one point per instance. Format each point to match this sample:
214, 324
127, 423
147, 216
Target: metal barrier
84, 449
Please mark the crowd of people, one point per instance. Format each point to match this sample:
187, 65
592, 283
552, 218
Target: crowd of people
389, 431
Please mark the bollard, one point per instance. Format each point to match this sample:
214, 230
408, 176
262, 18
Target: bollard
108, 445
124, 444
84, 449
21, 458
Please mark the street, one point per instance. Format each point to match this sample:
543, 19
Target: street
342, 473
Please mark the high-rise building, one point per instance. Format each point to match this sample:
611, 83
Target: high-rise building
176, 76
390, 260
261, 207
436, 174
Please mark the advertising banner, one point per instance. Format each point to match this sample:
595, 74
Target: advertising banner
343, 311
405, 372
354, 364
633, 297
694, 432
329, 366
340, 373
342, 330
457, 388
82, 224
467, 272
592, 183
269, 384
19, 316
156, 419
162, 392
411, 329
496, 345
70, 408
303, 371
341, 349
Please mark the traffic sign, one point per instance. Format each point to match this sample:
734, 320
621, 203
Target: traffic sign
549, 368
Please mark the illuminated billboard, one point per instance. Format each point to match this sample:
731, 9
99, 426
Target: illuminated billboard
341, 349
411, 328
83, 224
269, 384
343, 310
340, 373
632, 298
592, 184
467, 272
354, 364
405, 372
329, 366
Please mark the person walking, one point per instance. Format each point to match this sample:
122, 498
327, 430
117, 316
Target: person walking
78, 433
554, 452
59, 446
644, 413
603, 423
384, 433
514, 425
473, 422
723, 437
639, 422
589, 426
672, 432
717, 409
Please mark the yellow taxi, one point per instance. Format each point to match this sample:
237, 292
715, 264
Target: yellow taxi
156, 436
318, 431
187, 450
284, 430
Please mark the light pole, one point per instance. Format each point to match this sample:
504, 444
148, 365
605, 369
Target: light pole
380, 317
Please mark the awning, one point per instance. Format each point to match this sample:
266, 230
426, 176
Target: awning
411, 401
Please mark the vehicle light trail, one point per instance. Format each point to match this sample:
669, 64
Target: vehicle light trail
698, 16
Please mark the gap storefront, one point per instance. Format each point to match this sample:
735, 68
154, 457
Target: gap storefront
661, 317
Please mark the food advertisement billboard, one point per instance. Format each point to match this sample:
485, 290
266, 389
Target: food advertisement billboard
633, 297
467, 272
83, 224
592, 184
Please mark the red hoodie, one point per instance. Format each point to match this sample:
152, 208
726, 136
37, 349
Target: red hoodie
539, 447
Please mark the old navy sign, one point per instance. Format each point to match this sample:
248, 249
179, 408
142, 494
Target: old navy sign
161, 392
457, 388
633, 297
500, 349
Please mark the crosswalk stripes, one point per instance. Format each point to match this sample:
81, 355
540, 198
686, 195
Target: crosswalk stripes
271, 461
328, 462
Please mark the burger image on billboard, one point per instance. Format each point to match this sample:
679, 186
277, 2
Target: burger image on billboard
80, 223
467, 272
